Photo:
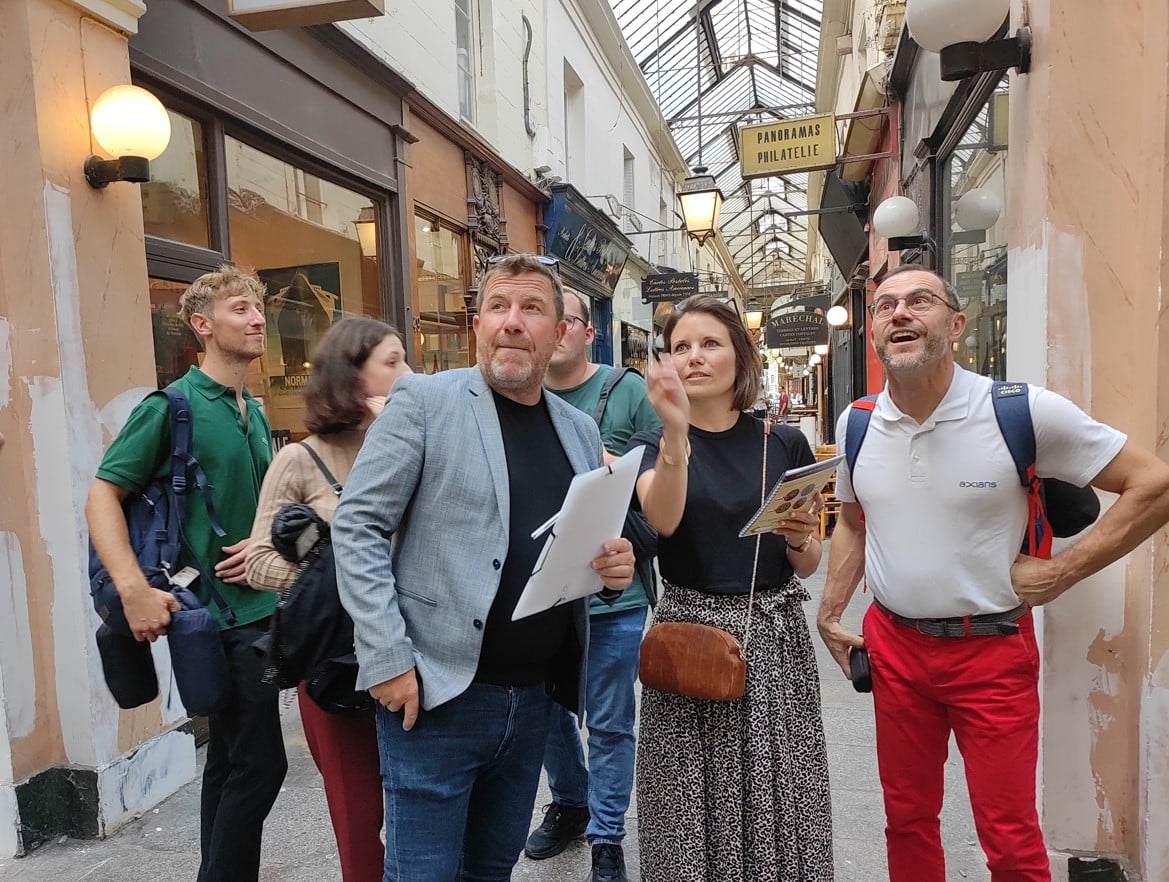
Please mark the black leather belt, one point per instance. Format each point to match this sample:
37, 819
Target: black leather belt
1000, 624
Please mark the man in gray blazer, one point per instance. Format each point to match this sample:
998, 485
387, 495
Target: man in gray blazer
433, 546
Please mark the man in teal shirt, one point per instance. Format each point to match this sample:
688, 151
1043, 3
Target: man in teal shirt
231, 439
593, 799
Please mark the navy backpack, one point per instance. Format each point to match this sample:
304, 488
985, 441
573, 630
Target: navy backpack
1054, 507
154, 522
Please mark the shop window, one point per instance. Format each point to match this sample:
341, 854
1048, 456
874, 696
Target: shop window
465, 57
440, 309
975, 239
311, 241
174, 200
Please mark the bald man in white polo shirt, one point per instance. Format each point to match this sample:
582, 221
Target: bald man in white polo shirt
944, 517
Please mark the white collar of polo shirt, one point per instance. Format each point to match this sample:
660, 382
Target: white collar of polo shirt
955, 404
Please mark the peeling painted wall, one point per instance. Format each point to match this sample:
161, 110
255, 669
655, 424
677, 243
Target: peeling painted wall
1089, 213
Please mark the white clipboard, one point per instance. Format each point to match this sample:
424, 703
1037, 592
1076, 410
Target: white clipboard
593, 513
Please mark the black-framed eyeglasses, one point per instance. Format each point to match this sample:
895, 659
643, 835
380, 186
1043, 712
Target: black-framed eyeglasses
918, 303
547, 260
572, 319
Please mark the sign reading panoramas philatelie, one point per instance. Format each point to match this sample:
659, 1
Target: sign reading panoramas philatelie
789, 145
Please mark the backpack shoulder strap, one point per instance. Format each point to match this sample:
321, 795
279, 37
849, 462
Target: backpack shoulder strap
1012, 410
333, 482
612, 380
857, 427
183, 462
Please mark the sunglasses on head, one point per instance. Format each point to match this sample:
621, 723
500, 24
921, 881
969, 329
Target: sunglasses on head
543, 259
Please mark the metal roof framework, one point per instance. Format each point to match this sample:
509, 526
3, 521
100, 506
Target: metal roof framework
715, 66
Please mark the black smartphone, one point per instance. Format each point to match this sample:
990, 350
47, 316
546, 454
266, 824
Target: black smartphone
858, 663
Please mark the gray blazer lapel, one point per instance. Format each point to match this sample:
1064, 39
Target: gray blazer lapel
578, 456
483, 407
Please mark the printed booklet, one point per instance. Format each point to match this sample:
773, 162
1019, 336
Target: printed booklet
794, 492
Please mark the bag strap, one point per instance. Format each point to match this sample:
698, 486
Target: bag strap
183, 461
333, 482
857, 427
612, 380
758, 537
1012, 411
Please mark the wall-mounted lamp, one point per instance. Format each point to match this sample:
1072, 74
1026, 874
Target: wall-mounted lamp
701, 201
753, 319
366, 226
896, 220
132, 125
813, 359
976, 212
820, 349
960, 32
837, 316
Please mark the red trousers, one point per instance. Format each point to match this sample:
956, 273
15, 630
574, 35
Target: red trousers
985, 690
344, 747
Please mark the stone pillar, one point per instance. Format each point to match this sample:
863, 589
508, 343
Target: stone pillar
1088, 210
75, 353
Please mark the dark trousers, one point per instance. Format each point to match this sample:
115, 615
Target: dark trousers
245, 765
345, 749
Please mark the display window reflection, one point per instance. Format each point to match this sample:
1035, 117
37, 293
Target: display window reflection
174, 200
976, 240
441, 335
313, 243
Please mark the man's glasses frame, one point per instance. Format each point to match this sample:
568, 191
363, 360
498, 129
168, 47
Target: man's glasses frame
917, 302
571, 319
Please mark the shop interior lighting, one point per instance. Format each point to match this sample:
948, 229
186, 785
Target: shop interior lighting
131, 125
366, 226
961, 32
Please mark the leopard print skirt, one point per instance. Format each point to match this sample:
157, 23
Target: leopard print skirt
738, 791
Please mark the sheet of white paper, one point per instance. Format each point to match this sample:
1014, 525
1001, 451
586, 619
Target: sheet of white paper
593, 512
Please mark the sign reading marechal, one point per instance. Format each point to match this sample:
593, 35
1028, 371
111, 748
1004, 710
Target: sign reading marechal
796, 329
668, 287
270, 15
789, 145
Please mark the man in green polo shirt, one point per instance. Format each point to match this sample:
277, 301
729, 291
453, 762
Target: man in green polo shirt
231, 439
593, 800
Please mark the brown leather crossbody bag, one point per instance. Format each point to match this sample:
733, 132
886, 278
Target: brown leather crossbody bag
701, 661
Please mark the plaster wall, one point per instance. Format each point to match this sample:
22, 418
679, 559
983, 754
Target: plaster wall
1087, 213
587, 39
418, 39
73, 312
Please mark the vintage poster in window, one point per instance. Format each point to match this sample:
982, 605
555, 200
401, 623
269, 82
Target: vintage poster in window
303, 302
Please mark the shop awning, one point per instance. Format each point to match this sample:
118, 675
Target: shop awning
864, 133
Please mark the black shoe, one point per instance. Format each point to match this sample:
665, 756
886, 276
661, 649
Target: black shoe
608, 863
562, 824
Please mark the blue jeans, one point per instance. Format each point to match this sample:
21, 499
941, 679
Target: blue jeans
460, 785
611, 713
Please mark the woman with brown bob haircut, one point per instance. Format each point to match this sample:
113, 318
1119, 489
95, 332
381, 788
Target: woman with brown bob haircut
353, 369
729, 790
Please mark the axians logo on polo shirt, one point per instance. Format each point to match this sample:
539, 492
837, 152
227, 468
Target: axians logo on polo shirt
977, 485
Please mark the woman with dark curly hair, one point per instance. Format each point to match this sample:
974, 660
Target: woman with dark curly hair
729, 790
353, 369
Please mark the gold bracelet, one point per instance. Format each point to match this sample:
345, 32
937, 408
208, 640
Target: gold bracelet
803, 545
671, 461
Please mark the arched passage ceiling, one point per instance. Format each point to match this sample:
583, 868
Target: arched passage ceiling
746, 62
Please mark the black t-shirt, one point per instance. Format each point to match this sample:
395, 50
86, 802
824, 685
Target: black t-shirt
538, 474
705, 553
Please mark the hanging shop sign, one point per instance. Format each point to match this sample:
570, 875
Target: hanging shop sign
671, 287
796, 329
789, 145
270, 15
586, 240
